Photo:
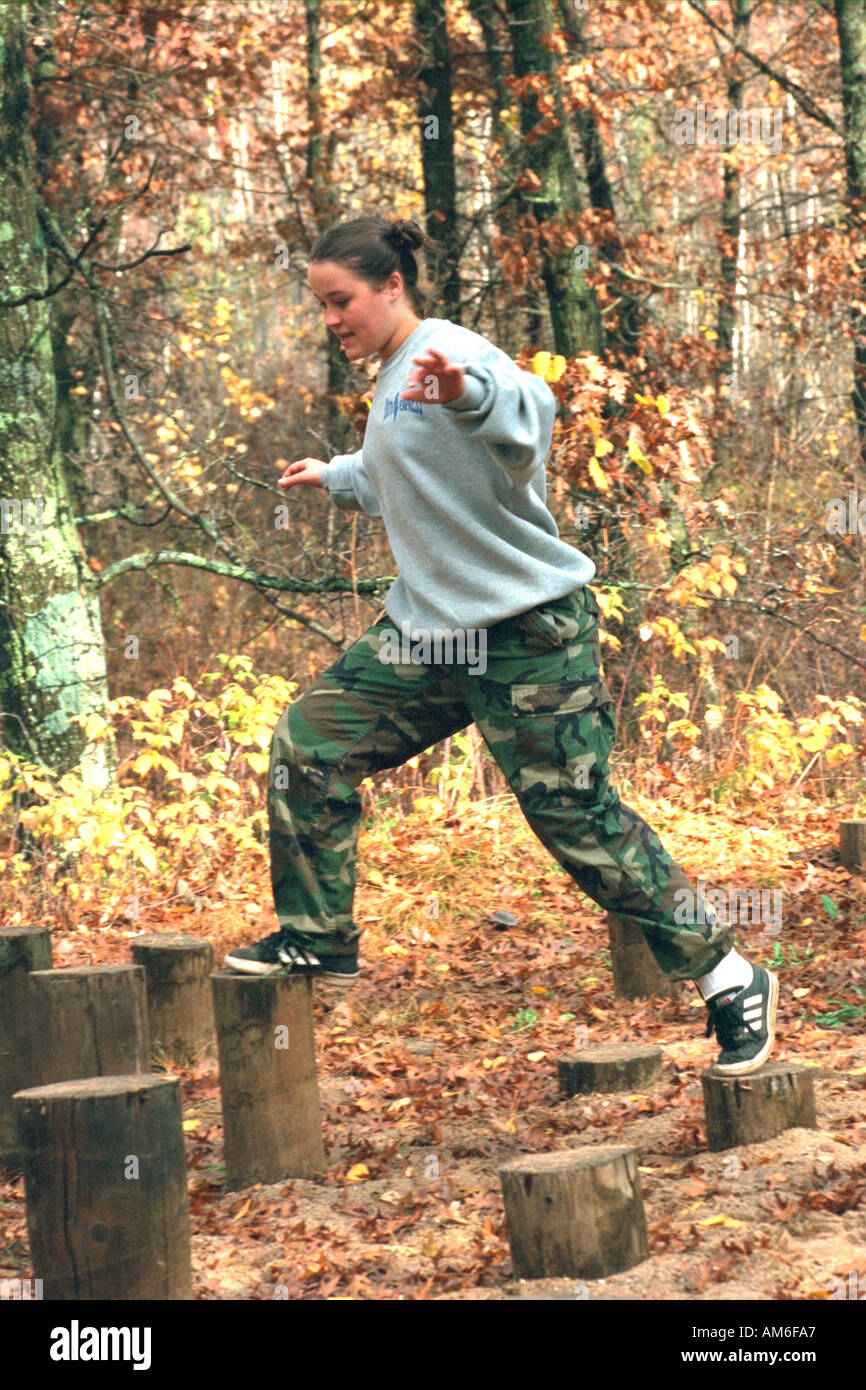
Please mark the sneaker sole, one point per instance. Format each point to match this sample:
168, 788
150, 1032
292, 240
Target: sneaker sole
337, 981
255, 967
754, 1063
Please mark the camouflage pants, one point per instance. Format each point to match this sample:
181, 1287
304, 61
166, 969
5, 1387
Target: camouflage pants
548, 720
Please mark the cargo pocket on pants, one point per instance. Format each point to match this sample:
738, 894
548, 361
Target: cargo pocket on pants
564, 733
552, 625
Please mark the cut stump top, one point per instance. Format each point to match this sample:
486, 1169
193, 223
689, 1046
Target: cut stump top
83, 972
98, 1086
567, 1160
176, 940
615, 1052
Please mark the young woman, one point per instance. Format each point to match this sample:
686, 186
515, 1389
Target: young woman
453, 461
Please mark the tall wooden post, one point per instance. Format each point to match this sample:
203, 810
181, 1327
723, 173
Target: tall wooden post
22, 949
92, 1022
179, 1004
636, 972
106, 1188
852, 845
267, 1061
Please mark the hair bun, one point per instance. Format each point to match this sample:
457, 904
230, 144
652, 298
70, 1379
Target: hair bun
406, 232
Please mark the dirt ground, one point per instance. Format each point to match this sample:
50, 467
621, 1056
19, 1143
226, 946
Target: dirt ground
440, 1064
777, 1220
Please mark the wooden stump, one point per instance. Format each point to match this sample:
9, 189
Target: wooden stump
852, 845
749, 1109
179, 1004
577, 1213
636, 972
22, 949
609, 1067
92, 1022
105, 1181
270, 1093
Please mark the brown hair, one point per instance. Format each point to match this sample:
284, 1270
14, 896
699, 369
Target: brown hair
374, 248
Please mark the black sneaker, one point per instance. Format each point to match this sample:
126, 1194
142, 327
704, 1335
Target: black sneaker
277, 954
745, 1021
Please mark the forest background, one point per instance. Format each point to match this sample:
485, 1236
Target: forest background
657, 206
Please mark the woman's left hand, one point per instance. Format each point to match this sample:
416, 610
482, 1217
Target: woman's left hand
447, 384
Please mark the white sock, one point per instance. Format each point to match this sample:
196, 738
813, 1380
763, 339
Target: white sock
733, 972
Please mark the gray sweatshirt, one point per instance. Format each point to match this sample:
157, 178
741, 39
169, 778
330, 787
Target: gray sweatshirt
461, 488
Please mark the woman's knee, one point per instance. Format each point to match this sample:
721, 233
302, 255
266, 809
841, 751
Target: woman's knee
294, 735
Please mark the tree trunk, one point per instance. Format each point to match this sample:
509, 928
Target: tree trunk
726, 317
509, 325
621, 336
437, 148
851, 25
93, 1022
852, 845
609, 1067
343, 379
636, 972
71, 421
550, 190
177, 970
52, 656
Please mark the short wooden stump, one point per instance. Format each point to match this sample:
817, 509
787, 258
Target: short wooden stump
177, 970
609, 1067
749, 1109
575, 1213
106, 1188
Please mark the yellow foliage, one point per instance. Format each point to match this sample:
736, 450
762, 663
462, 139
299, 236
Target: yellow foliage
610, 603
548, 367
598, 476
637, 456
163, 812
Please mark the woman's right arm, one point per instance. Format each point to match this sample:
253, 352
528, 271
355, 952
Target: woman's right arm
304, 471
344, 478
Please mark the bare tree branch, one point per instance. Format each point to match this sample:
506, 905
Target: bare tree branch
800, 95
147, 560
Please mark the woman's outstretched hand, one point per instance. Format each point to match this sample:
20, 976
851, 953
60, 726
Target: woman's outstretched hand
304, 471
448, 381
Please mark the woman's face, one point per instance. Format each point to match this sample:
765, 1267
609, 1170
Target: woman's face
364, 319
